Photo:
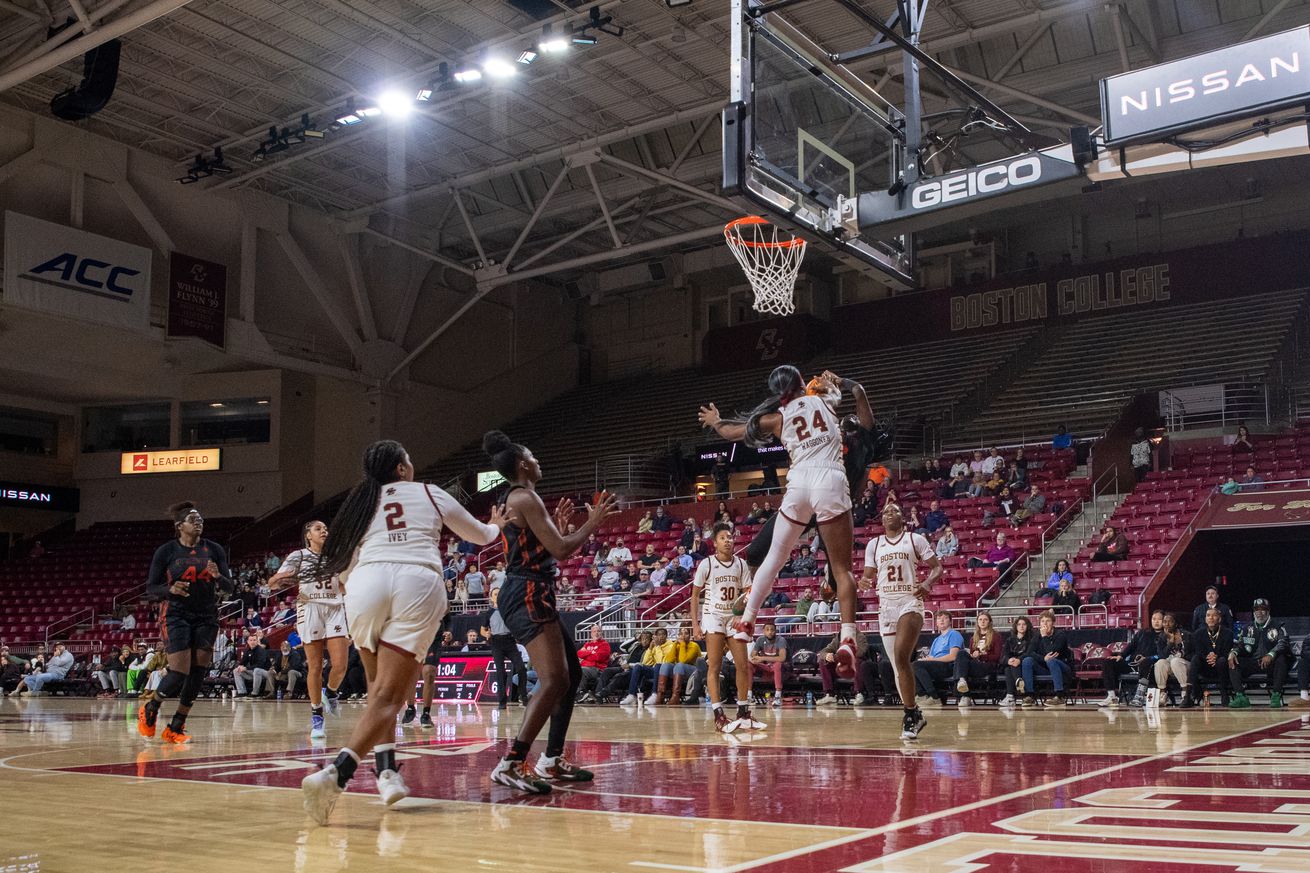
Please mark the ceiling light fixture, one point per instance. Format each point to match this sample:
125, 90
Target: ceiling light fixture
349, 116
526, 57
550, 43
498, 68
395, 104
217, 165
468, 74
309, 129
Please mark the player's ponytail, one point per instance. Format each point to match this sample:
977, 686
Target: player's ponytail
785, 383
505, 454
352, 520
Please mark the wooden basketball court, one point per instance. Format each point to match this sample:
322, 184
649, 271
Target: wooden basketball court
821, 789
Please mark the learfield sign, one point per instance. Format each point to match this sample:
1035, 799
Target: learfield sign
1204, 90
182, 461
25, 495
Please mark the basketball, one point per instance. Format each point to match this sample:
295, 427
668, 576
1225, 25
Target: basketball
816, 386
827, 590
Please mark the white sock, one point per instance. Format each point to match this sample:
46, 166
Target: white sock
1305, 695
547, 761
848, 631
380, 747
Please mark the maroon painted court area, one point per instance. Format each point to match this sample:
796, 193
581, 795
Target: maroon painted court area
923, 809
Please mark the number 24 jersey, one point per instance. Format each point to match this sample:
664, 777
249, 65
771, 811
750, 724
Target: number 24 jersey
406, 527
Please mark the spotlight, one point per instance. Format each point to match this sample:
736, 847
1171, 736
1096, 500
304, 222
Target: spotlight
293, 137
468, 74
550, 43
584, 39
527, 56
218, 166
370, 112
349, 116
603, 23
276, 143
395, 104
674, 4
260, 154
498, 68
309, 129
424, 94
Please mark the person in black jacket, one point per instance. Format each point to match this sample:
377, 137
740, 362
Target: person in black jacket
254, 669
1017, 646
613, 681
1210, 649
1212, 602
1261, 647
1049, 654
1138, 655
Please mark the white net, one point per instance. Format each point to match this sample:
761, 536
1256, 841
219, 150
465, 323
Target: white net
771, 259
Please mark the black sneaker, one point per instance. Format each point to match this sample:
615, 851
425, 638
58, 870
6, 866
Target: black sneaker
425, 720
912, 724
408, 717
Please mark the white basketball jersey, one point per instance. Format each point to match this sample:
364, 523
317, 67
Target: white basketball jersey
303, 564
723, 583
897, 561
406, 527
811, 432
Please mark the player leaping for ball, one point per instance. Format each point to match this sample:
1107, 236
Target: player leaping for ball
720, 580
816, 486
893, 558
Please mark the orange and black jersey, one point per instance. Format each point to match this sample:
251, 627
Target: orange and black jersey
524, 553
174, 561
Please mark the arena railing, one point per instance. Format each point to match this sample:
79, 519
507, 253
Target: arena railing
85, 615
77, 647
1251, 404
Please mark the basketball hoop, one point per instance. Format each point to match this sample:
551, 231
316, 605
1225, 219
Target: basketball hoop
771, 258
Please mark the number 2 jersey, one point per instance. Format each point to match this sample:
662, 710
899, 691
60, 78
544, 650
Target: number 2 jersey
173, 562
897, 560
723, 583
811, 432
304, 565
406, 528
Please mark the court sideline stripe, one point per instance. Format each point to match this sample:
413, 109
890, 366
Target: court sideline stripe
968, 807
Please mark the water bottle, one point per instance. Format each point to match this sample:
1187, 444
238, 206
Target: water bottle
1205, 698
809, 698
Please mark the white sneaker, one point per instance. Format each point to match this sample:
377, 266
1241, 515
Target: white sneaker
962, 686
825, 700
1111, 699
927, 703
777, 703
391, 787
965, 701
752, 724
732, 726
629, 700
1007, 700
653, 700
859, 700
320, 792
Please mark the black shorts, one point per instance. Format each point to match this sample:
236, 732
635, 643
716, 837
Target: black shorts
527, 604
433, 657
182, 632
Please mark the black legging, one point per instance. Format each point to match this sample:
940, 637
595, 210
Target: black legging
502, 647
758, 549
563, 714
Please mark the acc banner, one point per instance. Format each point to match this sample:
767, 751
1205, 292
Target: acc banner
63, 270
197, 299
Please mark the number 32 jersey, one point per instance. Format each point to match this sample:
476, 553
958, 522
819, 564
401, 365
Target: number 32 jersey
723, 583
406, 528
897, 560
304, 565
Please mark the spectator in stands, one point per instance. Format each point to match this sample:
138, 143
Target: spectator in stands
865, 672
948, 544
939, 664
1062, 439
1242, 443
11, 671
934, 520
1140, 454
666, 656
685, 560
1261, 647
1212, 602
977, 485
622, 595
801, 566
689, 532
129, 622
649, 558
644, 665
141, 655
609, 580
462, 595
253, 670
686, 654
663, 522
955, 486
614, 678
1065, 596
993, 464
473, 642
660, 575
1059, 575
1004, 507
1252, 480
768, 656
619, 553
777, 599
980, 659
755, 516
827, 609
287, 613
1050, 654
112, 674
1174, 654
959, 468
768, 510
592, 545
271, 563
1016, 477
646, 524
1033, 505
1229, 486
1139, 656
801, 612
994, 484
979, 462
1000, 555
1021, 461
594, 656
496, 577
53, 669
476, 582
282, 669
253, 621
1113, 545
37, 551
643, 585
700, 547
1210, 648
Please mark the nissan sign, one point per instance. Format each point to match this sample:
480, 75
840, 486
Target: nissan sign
1204, 90
27, 496
964, 187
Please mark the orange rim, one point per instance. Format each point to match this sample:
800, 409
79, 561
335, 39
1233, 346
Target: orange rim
732, 228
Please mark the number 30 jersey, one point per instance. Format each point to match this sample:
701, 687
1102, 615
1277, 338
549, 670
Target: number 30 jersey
897, 560
723, 583
406, 527
811, 433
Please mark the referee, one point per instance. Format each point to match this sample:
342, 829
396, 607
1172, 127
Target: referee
504, 646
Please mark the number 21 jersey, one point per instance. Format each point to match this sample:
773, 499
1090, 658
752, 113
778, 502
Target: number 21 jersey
897, 560
406, 528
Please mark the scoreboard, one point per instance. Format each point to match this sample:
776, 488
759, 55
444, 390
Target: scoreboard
466, 677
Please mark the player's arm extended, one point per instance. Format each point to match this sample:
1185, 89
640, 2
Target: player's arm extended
533, 512
733, 431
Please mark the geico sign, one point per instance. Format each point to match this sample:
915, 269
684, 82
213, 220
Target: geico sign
83, 274
972, 183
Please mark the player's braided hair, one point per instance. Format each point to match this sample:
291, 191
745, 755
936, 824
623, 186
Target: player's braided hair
785, 383
352, 520
505, 454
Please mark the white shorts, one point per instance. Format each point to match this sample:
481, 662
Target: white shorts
822, 492
713, 623
395, 605
890, 610
321, 620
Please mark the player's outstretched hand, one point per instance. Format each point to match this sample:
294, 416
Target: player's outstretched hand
709, 416
607, 505
499, 516
564, 513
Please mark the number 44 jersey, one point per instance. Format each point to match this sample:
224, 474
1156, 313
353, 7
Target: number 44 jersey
407, 526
